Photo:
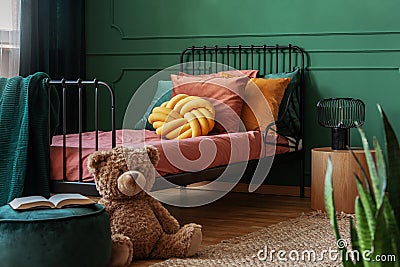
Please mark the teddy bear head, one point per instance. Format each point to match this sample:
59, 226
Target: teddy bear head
123, 172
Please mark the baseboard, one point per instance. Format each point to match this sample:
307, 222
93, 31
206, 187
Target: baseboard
280, 190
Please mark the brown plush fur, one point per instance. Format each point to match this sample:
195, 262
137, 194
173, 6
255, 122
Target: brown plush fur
141, 227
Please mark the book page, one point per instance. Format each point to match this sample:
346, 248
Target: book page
61, 200
30, 202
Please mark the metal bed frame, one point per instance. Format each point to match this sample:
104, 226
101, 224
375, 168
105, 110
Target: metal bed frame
266, 59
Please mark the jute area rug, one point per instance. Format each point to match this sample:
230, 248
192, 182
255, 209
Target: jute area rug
304, 241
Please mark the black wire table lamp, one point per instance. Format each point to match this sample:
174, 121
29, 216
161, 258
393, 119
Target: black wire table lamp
340, 114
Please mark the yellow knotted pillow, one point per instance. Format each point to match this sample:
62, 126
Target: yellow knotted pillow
183, 116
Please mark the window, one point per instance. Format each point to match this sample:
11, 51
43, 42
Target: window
9, 37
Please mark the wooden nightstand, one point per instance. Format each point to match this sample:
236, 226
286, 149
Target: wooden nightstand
344, 186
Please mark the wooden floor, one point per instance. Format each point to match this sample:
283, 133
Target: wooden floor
237, 214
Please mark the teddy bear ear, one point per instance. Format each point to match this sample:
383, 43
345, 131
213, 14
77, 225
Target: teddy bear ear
153, 154
95, 159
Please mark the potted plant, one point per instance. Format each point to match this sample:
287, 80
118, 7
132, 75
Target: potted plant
375, 236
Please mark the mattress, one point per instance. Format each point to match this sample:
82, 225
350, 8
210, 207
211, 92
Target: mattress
192, 154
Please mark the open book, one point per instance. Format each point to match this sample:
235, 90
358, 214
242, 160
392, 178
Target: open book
56, 201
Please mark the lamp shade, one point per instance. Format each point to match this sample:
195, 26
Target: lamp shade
340, 114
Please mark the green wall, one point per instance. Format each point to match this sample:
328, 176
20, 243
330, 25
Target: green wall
353, 47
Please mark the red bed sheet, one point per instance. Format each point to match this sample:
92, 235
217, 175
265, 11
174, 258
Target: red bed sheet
192, 154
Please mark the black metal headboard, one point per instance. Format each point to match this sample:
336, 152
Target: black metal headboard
267, 60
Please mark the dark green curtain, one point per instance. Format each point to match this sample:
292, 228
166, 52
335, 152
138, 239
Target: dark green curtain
53, 41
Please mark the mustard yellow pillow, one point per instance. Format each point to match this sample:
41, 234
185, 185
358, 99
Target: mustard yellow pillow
255, 112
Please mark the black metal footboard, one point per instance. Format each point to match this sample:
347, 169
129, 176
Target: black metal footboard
64, 185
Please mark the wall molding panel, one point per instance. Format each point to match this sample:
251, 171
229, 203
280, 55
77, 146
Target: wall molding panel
356, 68
125, 70
311, 51
119, 28
118, 54
253, 35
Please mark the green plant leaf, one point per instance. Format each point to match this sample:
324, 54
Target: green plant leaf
330, 209
364, 173
393, 228
377, 183
382, 242
393, 157
367, 203
329, 199
364, 234
355, 245
380, 165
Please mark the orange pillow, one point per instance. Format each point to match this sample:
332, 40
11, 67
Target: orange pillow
259, 115
227, 102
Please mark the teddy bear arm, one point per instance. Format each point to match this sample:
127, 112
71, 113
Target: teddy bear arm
169, 224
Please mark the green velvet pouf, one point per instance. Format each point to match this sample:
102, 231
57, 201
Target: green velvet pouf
77, 236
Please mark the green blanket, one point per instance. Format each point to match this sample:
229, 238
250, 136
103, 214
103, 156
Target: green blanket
24, 139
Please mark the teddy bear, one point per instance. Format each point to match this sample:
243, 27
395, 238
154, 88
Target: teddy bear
141, 227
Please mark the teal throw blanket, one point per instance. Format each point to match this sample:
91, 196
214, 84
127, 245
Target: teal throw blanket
24, 135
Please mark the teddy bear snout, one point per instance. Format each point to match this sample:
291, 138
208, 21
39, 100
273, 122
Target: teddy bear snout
131, 183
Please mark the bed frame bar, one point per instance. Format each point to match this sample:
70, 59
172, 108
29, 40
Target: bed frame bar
81, 85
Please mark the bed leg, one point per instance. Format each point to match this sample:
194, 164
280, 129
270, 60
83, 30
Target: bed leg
302, 195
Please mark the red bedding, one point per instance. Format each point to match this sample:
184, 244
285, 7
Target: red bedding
192, 154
